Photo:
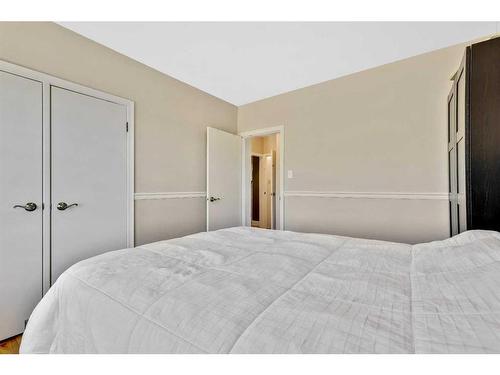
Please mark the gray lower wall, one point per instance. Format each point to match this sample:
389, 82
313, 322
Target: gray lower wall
398, 220
168, 218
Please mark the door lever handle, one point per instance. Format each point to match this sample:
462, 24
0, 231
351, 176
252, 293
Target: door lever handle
61, 206
30, 206
213, 199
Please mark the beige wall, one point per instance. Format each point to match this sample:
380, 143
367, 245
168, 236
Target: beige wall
256, 144
380, 130
170, 118
269, 144
264, 144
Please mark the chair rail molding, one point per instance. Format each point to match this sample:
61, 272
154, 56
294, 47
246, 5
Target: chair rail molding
170, 195
368, 195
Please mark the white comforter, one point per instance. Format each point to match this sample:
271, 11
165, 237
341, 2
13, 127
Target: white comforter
244, 290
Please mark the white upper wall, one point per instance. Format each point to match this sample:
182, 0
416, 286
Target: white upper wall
245, 62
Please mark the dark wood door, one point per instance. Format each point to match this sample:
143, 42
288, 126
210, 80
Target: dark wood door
255, 188
484, 136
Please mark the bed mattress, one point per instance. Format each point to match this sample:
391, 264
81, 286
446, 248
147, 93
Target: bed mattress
246, 290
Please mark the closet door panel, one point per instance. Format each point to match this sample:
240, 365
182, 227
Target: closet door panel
20, 183
454, 227
452, 132
452, 162
461, 104
461, 196
89, 168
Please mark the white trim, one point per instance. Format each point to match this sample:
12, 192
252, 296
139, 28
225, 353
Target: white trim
262, 132
207, 187
62, 83
368, 195
170, 195
47, 82
245, 211
46, 187
130, 173
244, 162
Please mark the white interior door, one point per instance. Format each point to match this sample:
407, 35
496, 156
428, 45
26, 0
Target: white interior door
20, 185
223, 179
89, 168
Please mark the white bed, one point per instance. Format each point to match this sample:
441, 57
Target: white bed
244, 290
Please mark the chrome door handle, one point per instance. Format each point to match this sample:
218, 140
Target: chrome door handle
61, 206
30, 206
213, 199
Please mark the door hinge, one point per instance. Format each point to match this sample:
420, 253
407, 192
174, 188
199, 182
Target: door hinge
126, 126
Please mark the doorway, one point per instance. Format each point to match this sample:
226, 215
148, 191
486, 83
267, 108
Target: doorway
255, 186
262, 185
263, 181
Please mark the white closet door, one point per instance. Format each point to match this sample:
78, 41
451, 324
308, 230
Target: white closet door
223, 179
89, 168
20, 184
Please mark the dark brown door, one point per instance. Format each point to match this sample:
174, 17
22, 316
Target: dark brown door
255, 188
483, 131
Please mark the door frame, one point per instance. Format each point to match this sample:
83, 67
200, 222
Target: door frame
246, 152
47, 82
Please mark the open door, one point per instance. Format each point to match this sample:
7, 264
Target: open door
223, 179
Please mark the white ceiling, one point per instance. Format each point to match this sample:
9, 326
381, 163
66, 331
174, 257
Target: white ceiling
245, 62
